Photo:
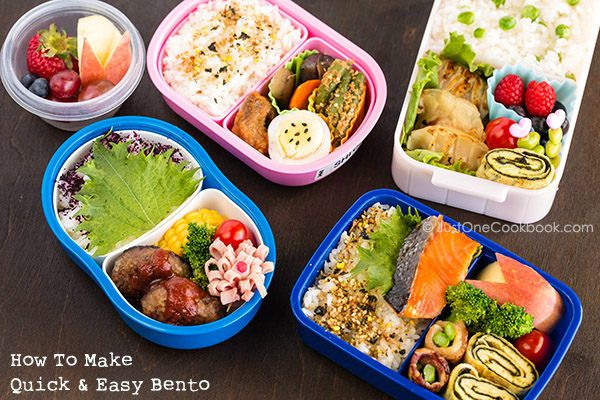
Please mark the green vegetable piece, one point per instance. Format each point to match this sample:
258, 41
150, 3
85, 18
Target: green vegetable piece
378, 261
539, 149
441, 339
570, 76
467, 303
573, 2
498, 3
552, 149
334, 108
427, 77
353, 97
457, 50
332, 78
127, 194
429, 373
563, 31
531, 12
434, 158
530, 141
479, 33
466, 17
507, 320
555, 135
450, 331
507, 23
196, 252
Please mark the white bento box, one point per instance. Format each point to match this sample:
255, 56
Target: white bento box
475, 194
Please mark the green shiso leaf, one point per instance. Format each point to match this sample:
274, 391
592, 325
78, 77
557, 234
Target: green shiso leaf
126, 194
378, 261
427, 77
458, 50
434, 158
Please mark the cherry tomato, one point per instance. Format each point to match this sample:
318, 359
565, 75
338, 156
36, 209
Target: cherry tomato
233, 232
497, 134
536, 346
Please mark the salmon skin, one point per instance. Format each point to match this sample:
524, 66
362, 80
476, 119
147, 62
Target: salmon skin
432, 258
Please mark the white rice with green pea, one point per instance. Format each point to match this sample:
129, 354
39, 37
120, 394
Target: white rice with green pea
340, 303
553, 42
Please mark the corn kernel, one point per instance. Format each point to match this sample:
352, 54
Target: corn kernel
176, 236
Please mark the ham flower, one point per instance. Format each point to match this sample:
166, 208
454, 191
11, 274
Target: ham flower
234, 274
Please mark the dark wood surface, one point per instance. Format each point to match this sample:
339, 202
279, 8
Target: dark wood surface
48, 305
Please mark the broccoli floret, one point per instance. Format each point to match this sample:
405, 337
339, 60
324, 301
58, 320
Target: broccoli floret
467, 303
508, 320
483, 314
196, 251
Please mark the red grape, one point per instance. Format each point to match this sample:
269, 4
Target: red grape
95, 89
65, 84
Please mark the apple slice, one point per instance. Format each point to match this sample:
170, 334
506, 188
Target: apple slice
102, 35
90, 69
119, 61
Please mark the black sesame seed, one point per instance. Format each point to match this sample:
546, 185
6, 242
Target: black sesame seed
293, 124
297, 142
212, 46
306, 130
320, 311
402, 352
297, 134
308, 140
304, 124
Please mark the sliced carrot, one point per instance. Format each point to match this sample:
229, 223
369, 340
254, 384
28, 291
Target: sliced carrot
300, 97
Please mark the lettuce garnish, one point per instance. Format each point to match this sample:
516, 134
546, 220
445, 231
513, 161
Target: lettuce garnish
378, 261
427, 78
458, 50
434, 158
126, 194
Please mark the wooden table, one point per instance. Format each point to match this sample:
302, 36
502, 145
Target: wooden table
48, 305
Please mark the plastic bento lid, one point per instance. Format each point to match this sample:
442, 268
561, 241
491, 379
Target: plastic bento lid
43, 15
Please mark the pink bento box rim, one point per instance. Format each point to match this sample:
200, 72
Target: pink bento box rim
315, 28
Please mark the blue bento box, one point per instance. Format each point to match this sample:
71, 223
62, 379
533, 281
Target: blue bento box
396, 383
181, 337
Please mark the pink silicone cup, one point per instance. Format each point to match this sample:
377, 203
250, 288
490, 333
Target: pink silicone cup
330, 41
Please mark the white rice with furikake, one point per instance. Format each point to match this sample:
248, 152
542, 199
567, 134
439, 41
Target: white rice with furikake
341, 303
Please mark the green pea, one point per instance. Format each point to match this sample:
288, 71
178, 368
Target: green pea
531, 12
507, 23
570, 75
450, 331
429, 373
573, 2
555, 135
552, 149
539, 149
441, 339
530, 141
479, 33
555, 161
466, 17
562, 31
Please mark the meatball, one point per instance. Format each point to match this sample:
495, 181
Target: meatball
136, 269
179, 301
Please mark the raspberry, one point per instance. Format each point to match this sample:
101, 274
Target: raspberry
539, 99
509, 91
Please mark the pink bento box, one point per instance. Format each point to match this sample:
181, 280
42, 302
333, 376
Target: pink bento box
316, 35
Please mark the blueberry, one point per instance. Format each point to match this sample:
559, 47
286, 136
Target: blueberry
519, 110
40, 87
560, 106
28, 79
539, 125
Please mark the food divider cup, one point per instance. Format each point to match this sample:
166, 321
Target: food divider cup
316, 35
471, 193
65, 13
217, 193
396, 383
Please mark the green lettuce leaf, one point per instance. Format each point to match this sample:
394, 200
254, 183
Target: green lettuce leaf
434, 158
126, 195
458, 50
427, 77
378, 261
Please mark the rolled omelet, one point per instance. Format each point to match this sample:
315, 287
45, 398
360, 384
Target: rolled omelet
466, 384
498, 361
517, 167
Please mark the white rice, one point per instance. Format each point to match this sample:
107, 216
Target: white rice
530, 43
219, 54
382, 334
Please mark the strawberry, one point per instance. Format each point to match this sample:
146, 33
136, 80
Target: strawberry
509, 91
50, 51
539, 99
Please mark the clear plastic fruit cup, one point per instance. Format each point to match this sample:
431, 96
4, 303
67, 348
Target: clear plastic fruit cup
65, 14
